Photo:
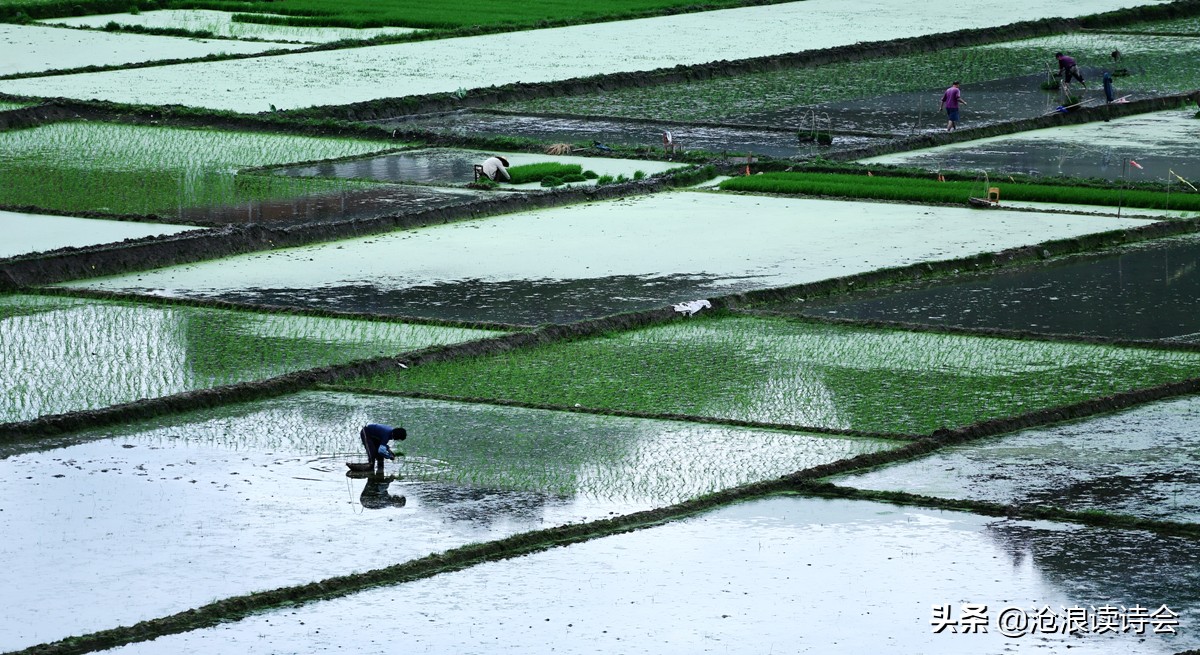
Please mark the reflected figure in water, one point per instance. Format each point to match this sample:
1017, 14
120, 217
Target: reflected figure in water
375, 494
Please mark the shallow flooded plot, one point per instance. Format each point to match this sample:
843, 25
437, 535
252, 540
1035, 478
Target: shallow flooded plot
343, 203
136, 169
787, 575
788, 372
63, 354
1147, 291
446, 166
220, 23
1164, 144
627, 133
255, 496
35, 48
448, 65
594, 259
1141, 462
30, 233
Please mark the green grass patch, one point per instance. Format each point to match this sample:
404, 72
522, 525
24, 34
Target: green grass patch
440, 15
786, 372
131, 169
9, 106
527, 173
68, 354
1159, 64
930, 190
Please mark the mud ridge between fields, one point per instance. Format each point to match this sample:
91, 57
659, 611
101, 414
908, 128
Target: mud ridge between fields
625, 413
1075, 117
806, 482
441, 102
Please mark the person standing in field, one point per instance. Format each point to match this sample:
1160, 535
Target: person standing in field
496, 168
1068, 69
951, 100
375, 438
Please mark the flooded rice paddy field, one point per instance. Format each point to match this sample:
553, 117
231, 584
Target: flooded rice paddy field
758, 577
66, 354
627, 133
789, 372
256, 496
138, 169
448, 65
1144, 291
568, 263
37, 48
31, 233
900, 95
336, 203
448, 166
1140, 462
221, 23
1164, 144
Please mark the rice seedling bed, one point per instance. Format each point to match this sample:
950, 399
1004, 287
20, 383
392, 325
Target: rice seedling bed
71, 354
1160, 142
765, 575
37, 48
452, 166
1190, 25
1139, 462
931, 190
8, 106
135, 169
568, 263
1147, 291
222, 24
454, 65
792, 373
1001, 82
30, 233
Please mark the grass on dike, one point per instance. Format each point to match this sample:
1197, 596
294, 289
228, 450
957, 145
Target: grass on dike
802, 374
440, 15
1159, 64
932, 191
135, 169
69, 354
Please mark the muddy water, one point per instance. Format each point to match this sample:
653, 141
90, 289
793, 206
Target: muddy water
989, 102
346, 205
783, 575
1160, 142
632, 134
626, 254
1151, 291
1140, 462
229, 501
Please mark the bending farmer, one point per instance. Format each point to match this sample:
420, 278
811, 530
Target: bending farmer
1068, 69
496, 168
375, 438
951, 99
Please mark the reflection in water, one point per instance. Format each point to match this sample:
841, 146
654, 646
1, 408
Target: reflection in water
1150, 291
521, 302
425, 166
375, 494
346, 205
1095, 566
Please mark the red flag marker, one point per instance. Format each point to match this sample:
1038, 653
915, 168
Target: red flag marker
1134, 163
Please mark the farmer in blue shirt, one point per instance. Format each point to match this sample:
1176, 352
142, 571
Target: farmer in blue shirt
375, 437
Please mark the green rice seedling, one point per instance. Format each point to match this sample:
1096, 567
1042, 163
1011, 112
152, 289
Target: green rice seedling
800, 374
72, 354
527, 173
132, 169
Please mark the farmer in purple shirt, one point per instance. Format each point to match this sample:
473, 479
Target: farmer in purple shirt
951, 99
1068, 70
